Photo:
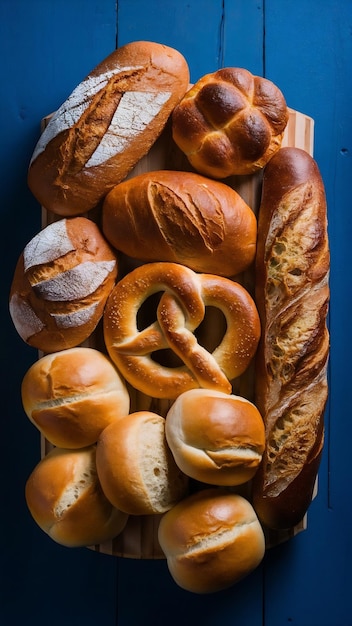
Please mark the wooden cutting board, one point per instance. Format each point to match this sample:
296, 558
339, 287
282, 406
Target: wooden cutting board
139, 539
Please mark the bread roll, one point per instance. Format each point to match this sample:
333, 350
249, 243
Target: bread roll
72, 395
61, 283
65, 499
135, 466
106, 126
292, 294
215, 438
211, 540
230, 122
183, 218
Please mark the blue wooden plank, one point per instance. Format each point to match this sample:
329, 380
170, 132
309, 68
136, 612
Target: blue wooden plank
46, 48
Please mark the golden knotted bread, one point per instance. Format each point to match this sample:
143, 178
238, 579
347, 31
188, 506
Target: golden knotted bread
230, 122
181, 309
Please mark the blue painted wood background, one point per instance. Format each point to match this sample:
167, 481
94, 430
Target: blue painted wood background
46, 48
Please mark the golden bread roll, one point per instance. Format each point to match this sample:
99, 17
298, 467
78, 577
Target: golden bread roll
135, 466
61, 283
292, 294
107, 124
65, 499
211, 540
214, 437
184, 218
230, 122
180, 311
72, 395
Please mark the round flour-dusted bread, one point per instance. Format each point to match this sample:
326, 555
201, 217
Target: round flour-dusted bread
211, 540
135, 466
65, 499
107, 124
230, 122
215, 438
61, 283
72, 395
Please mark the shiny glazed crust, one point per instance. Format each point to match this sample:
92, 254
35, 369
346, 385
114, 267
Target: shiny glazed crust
230, 122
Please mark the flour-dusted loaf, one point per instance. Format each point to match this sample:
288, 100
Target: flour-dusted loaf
184, 218
292, 294
61, 283
211, 540
106, 126
230, 122
216, 438
136, 469
72, 395
65, 499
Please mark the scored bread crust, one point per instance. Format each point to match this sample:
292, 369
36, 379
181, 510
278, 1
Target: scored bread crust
106, 126
135, 466
292, 295
181, 217
72, 395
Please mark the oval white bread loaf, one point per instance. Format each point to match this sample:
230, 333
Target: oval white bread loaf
214, 437
184, 218
72, 395
65, 499
292, 295
135, 466
230, 122
61, 283
106, 126
211, 540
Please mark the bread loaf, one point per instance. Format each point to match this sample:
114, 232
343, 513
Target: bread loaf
106, 126
230, 122
215, 438
136, 468
65, 499
183, 218
292, 294
72, 395
211, 540
61, 283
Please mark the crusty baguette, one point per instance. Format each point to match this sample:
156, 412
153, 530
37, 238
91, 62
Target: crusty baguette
292, 294
106, 126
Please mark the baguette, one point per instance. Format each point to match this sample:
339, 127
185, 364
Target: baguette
292, 295
106, 126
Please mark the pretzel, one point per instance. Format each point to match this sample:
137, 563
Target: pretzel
181, 309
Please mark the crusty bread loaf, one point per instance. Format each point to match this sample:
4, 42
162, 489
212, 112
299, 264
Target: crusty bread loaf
179, 312
215, 438
184, 218
211, 540
135, 466
292, 293
72, 395
106, 126
61, 283
230, 122
65, 499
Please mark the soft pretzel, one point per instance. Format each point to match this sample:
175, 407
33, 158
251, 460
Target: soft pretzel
181, 309
230, 122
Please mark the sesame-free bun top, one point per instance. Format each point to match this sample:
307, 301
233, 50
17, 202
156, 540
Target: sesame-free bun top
211, 540
215, 438
72, 395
